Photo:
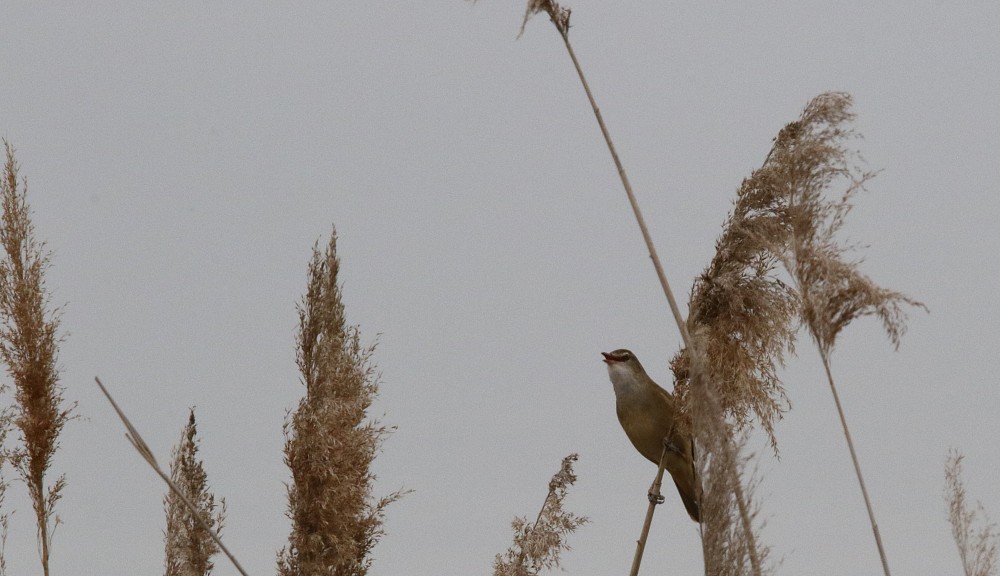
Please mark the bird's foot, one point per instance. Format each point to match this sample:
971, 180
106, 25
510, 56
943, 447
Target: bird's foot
669, 445
655, 498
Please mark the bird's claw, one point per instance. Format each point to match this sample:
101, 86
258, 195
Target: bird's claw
655, 498
670, 446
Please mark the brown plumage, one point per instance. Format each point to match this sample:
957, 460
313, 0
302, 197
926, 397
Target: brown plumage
646, 413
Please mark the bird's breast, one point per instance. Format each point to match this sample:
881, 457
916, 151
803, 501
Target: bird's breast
646, 422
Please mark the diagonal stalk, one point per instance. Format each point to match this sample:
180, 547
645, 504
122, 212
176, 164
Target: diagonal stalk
654, 494
520, 557
140, 445
854, 458
563, 27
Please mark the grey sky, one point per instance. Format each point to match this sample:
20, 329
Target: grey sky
183, 157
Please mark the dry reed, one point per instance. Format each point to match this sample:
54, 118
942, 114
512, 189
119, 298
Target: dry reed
655, 498
135, 439
4, 516
740, 511
560, 17
743, 312
537, 546
977, 538
29, 346
812, 158
188, 546
729, 523
329, 444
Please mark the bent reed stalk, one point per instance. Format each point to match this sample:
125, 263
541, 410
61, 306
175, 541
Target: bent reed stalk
560, 18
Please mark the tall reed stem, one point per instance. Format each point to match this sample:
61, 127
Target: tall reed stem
563, 27
857, 465
654, 493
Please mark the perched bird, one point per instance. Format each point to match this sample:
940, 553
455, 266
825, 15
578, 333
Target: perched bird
647, 413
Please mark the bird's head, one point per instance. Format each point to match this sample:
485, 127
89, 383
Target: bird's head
622, 364
619, 355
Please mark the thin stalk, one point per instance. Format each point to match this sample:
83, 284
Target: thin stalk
681, 325
520, 557
654, 494
562, 25
745, 517
140, 445
857, 466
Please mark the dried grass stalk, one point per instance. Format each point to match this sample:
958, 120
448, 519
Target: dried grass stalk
761, 399
558, 14
135, 439
29, 347
329, 444
188, 546
975, 535
4, 516
538, 546
813, 158
742, 309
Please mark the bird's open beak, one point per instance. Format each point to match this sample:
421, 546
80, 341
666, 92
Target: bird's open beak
608, 358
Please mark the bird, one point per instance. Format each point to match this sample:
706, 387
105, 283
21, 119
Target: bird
648, 414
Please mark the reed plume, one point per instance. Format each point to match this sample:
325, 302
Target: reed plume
743, 311
29, 346
813, 157
188, 546
537, 546
329, 444
730, 525
975, 535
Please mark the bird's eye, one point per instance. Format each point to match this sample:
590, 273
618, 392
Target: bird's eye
626, 356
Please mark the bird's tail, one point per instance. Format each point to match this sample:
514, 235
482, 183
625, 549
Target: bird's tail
690, 502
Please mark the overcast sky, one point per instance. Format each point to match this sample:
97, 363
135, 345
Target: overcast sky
183, 158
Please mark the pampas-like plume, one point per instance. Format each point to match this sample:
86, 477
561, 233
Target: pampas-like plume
29, 346
537, 546
188, 546
977, 538
743, 311
811, 157
729, 526
329, 445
